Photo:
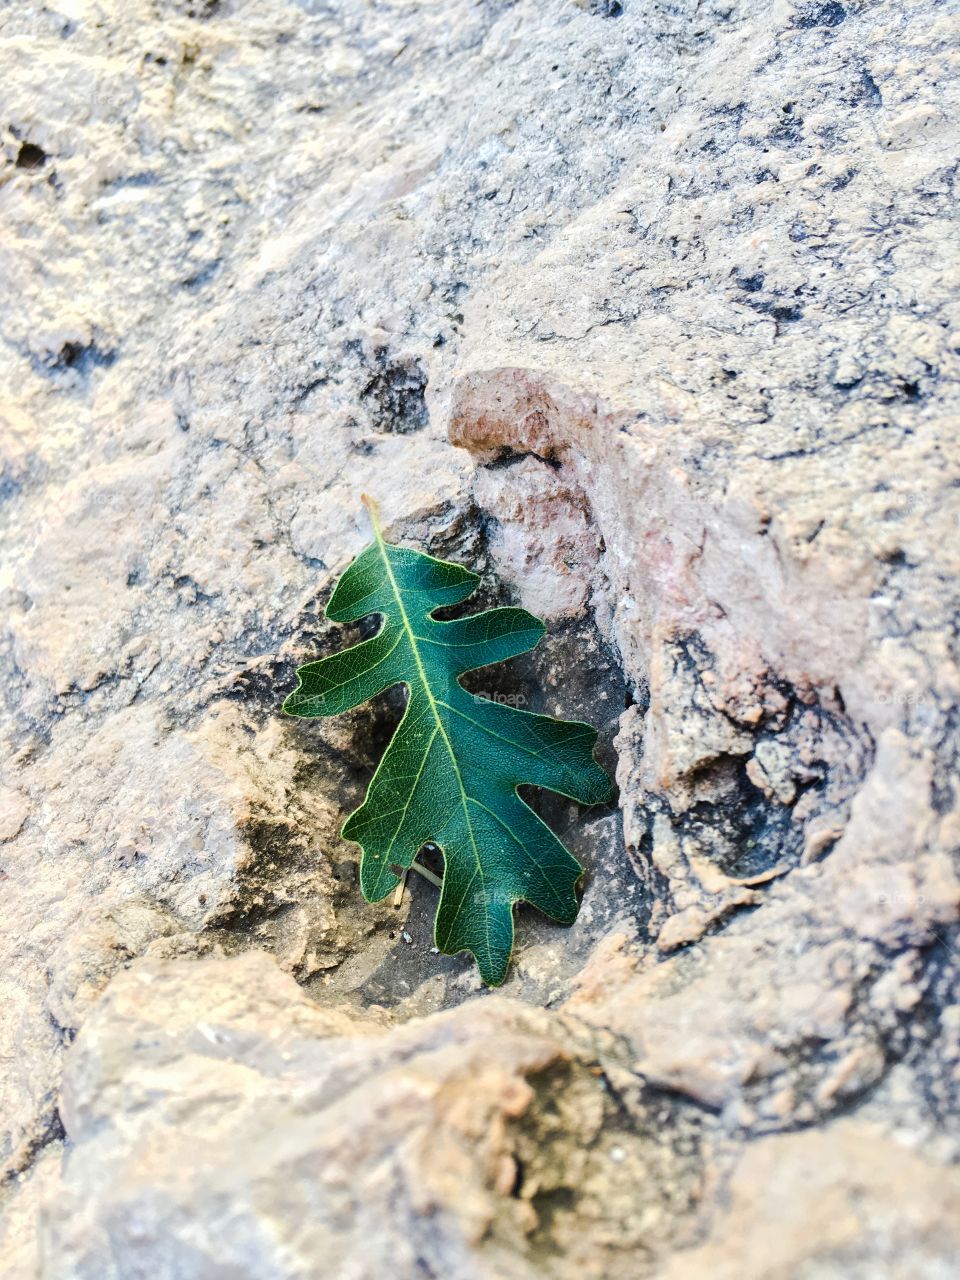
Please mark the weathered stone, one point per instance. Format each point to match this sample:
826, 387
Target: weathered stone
819, 1204
651, 315
471, 1128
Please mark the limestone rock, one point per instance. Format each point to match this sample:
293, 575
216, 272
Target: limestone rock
650, 315
818, 1204
469, 1127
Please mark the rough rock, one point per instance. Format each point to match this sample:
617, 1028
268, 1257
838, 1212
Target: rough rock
650, 314
818, 1204
473, 1129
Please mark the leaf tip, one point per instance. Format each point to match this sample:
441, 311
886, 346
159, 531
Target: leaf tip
291, 703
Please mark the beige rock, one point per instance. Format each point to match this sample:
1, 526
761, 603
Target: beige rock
14, 809
693, 922
543, 541
466, 1126
648, 314
843, 1201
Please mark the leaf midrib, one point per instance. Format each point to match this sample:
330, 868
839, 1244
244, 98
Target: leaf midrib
411, 637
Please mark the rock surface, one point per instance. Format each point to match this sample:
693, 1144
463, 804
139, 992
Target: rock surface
652, 314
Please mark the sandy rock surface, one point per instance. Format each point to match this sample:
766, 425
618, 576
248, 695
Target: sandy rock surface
651, 313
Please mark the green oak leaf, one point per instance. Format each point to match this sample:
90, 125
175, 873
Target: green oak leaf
450, 773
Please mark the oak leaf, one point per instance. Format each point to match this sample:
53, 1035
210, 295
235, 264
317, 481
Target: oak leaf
450, 774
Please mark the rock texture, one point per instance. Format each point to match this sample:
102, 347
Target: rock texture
652, 313
434, 1147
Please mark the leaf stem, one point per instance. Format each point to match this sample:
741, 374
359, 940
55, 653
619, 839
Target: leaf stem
373, 510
